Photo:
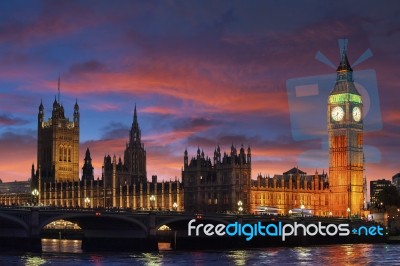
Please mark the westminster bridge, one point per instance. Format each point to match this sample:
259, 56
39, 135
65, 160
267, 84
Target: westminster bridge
21, 228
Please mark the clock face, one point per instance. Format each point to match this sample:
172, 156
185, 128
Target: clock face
356, 114
337, 113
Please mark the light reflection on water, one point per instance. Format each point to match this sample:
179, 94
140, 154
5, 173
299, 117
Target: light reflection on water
67, 252
61, 246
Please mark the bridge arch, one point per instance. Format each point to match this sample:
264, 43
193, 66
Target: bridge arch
20, 222
82, 218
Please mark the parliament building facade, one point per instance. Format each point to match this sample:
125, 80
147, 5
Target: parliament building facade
219, 184
123, 184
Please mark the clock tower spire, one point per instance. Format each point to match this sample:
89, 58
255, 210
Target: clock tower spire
345, 133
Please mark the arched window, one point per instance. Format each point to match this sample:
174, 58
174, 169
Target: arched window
65, 154
61, 152
69, 154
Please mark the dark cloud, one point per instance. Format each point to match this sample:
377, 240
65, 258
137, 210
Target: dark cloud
87, 67
115, 131
8, 120
193, 124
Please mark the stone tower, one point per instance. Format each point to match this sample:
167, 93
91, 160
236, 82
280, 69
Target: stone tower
135, 154
345, 133
58, 145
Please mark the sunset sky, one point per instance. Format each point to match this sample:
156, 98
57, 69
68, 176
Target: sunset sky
201, 73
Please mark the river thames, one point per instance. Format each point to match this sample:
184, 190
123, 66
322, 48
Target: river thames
67, 252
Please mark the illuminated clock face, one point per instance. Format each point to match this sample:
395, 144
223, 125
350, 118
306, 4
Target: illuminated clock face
356, 114
337, 113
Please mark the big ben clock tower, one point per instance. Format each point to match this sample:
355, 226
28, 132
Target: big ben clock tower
345, 133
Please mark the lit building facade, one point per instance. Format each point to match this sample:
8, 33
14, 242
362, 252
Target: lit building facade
291, 190
15, 193
58, 146
345, 140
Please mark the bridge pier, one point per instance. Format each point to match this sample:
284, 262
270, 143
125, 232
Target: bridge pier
34, 241
152, 235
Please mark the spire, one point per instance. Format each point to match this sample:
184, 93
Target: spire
41, 105
59, 87
87, 155
134, 115
135, 130
344, 62
344, 79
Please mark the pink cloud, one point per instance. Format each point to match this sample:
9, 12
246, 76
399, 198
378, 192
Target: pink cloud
103, 107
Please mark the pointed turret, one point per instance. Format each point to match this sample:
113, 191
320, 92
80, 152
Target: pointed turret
76, 113
135, 130
55, 103
135, 116
344, 64
76, 106
87, 169
87, 155
185, 158
41, 112
344, 78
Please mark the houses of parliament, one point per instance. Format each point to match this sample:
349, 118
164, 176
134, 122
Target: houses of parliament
221, 183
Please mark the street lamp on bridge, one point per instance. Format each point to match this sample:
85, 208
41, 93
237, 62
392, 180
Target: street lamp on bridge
152, 201
348, 213
175, 206
302, 210
35, 195
240, 204
87, 202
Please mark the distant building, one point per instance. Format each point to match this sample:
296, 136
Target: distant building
396, 181
17, 192
376, 186
15, 187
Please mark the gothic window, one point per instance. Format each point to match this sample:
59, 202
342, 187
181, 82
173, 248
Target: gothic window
61, 152
65, 154
69, 154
